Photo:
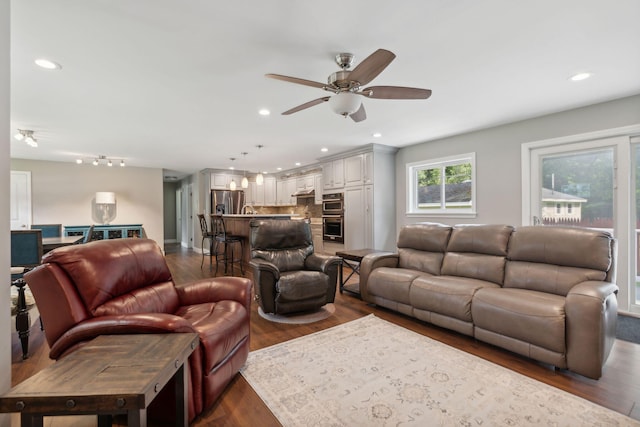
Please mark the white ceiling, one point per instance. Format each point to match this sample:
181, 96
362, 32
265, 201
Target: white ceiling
178, 84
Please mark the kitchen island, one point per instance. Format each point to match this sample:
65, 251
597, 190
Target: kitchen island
238, 224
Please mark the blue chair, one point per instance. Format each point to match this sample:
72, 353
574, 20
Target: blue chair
48, 230
26, 253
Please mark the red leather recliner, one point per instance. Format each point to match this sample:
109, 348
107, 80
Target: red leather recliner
123, 286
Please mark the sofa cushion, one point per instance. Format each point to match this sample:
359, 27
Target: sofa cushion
532, 317
480, 239
446, 295
392, 283
429, 237
554, 279
475, 266
566, 246
414, 259
301, 290
158, 298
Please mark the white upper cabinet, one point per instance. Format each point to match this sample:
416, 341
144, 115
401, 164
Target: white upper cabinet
305, 182
354, 170
367, 175
333, 174
221, 181
318, 188
269, 191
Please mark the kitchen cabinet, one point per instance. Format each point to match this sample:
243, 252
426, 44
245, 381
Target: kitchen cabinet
369, 197
317, 178
221, 181
305, 182
353, 170
254, 195
284, 190
333, 174
269, 191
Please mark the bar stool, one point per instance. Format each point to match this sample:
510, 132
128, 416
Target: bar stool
206, 234
229, 242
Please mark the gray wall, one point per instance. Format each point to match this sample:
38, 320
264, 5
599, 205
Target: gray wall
62, 193
5, 315
498, 171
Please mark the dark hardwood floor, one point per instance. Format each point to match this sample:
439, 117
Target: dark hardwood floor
618, 389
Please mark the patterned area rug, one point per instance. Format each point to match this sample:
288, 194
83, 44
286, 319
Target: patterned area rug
370, 372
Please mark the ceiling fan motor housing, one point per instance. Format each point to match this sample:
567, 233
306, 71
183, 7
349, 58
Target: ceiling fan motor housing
340, 81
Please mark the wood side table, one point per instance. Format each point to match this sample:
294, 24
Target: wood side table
355, 256
112, 374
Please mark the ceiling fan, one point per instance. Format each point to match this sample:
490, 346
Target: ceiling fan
347, 85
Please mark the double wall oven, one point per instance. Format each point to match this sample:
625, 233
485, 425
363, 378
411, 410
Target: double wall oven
333, 217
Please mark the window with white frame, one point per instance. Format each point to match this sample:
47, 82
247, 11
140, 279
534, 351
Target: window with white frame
444, 186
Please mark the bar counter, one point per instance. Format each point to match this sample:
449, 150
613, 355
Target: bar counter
238, 224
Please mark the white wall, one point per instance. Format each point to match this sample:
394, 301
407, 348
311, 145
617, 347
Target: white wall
62, 193
498, 171
5, 315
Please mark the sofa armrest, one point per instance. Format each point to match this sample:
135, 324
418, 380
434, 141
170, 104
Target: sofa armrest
372, 261
149, 323
216, 289
591, 308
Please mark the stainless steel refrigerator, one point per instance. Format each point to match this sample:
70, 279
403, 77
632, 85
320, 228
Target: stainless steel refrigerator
227, 202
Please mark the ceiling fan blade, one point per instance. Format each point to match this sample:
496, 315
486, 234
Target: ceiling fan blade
359, 115
306, 105
373, 65
395, 92
296, 80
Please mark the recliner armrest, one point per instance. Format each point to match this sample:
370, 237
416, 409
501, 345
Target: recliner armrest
138, 323
216, 289
319, 262
264, 265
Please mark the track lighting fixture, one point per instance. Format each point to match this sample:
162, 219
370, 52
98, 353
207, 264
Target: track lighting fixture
26, 136
95, 161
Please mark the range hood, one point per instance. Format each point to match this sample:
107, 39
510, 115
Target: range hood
304, 193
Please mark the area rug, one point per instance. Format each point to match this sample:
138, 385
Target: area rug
300, 318
370, 372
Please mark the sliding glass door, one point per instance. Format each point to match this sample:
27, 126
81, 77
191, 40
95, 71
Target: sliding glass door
590, 181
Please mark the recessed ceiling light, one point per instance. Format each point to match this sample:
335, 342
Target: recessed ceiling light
279, 169
377, 135
580, 76
231, 167
297, 163
49, 65
264, 112
324, 149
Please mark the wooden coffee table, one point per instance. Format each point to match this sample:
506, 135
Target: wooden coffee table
113, 374
355, 256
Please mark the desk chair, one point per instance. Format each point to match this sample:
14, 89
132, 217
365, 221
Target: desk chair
48, 230
229, 242
206, 234
26, 253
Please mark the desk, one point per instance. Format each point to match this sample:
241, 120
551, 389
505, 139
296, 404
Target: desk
113, 374
50, 243
355, 256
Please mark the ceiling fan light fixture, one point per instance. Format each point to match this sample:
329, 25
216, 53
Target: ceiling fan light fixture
345, 103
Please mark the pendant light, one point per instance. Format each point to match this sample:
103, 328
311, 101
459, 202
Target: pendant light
245, 182
259, 177
232, 184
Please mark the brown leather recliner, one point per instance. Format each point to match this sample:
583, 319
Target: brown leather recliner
124, 286
289, 276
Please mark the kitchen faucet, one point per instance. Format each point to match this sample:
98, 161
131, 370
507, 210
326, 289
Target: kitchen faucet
248, 209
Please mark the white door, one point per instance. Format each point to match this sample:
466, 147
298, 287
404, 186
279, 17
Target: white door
20, 200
